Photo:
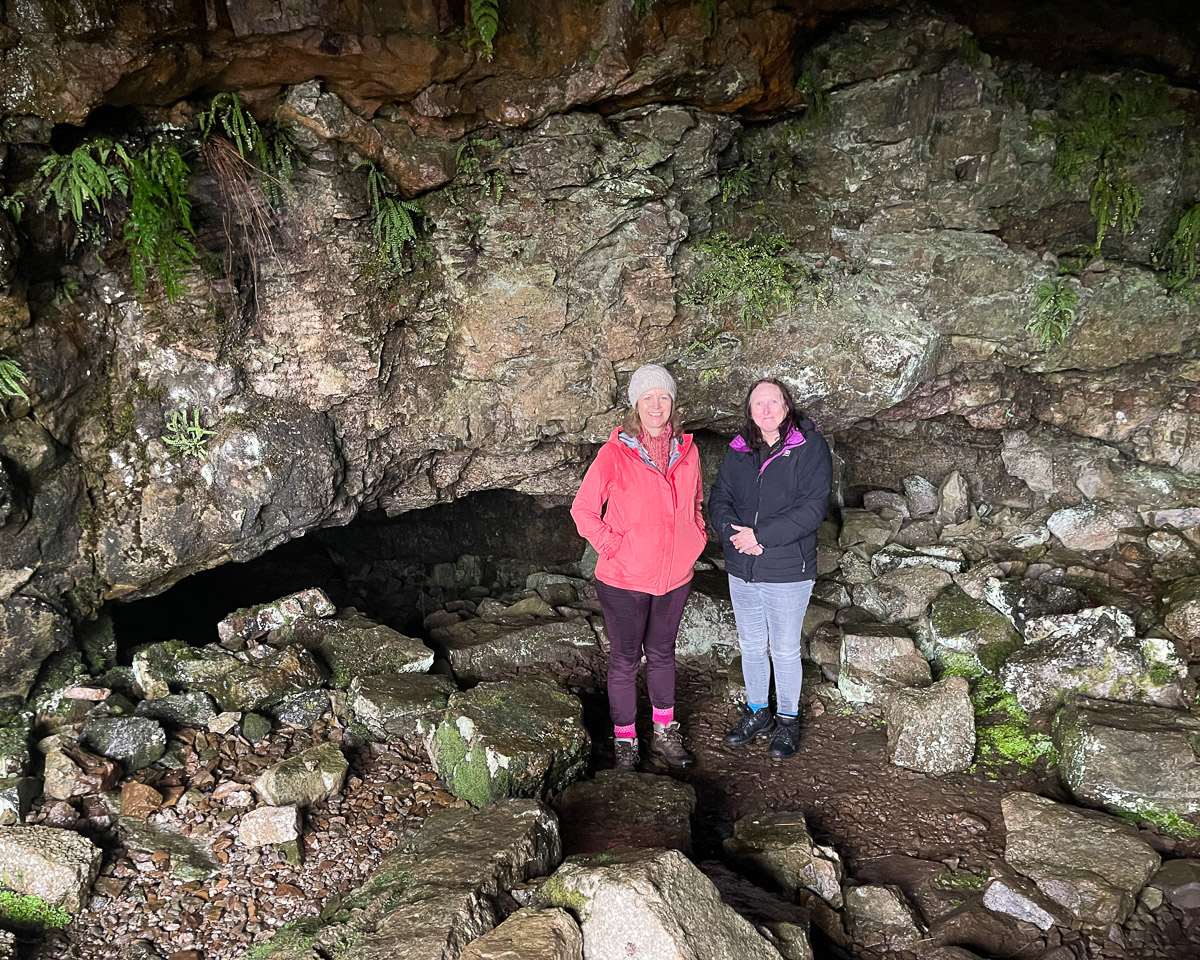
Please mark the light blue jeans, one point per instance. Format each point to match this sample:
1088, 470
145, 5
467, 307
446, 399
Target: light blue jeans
769, 617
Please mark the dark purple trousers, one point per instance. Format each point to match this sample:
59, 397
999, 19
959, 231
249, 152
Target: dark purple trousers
640, 623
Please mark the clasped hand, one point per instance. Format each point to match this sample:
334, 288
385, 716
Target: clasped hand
745, 541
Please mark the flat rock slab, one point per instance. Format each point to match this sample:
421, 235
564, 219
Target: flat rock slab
651, 903
249, 623
777, 851
625, 809
881, 916
530, 935
190, 858
1093, 652
57, 865
483, 650
305, 779
431, 898
1024, 600
1129, 758
1090, 863
784, 923
354, 646
903, 594
1179, 881
876, 659
932, 729
959, 623
397, 705
135, 742
265, 826
509, 738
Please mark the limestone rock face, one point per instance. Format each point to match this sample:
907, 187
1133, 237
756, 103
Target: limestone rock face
314, 775
30, 630
933, 729
1129, 758
652, 903
777, 850
508, 738
1094, 652
57, 865
1090, 863
876, 659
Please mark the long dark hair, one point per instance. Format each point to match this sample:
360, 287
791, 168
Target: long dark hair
750, 432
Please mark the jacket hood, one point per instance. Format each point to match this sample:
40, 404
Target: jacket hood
794, 438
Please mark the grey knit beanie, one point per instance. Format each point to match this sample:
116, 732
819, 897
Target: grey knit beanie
650, 376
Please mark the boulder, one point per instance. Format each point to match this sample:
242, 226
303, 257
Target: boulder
707, 628
886, 503
651, 903
1016, 897
1127, 758
249, 623
135, 742
954, 500
901, 595
261, 683
508, 738
299, 708
530, 934
310, 777
959, 624
777, 851
915, 534
479, 650
1091, 525
59, 866
1024, 600
895, 556
70, 771
353, 646
30, 630
1090, 863
1179, 882
16, 795
193, 709
876, 659
865, 527
434, 895
190, 859
855, 565
397, 705
1094, 652
265, 826
624, 809
16, 727
921, 495
932, 730
556, 589
880, 916
1181, 615
783, 923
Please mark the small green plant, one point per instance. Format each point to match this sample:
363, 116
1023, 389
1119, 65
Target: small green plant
12, 377
708, 13
13, 204
270, 150
1178, 257
809, 85
1053, 313
751, 273
1167, 822
642, 7
969, 51
737, 183
28, 911
469, 170
1013, 89
158, 228
960, 880
185, 435
87, 177
485, 19
393, 226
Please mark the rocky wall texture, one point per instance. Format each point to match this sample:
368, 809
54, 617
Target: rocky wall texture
908, 180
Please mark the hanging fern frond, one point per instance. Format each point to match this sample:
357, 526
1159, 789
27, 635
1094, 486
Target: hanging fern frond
1179, 252
269, 149
708, 12
393, 225
11, 379
85, 177
485, 18
158, 229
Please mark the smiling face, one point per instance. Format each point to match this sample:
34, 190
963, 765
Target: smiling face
768, 410
654, 409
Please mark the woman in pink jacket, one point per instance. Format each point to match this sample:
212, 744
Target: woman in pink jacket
648, 537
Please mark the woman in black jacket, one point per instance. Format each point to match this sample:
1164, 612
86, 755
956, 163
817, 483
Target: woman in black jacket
769, 498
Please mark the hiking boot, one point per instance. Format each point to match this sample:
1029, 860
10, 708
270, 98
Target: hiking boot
668, 746
753, 724
787, 737
626, 750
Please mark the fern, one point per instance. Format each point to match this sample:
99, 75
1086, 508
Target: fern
271, 151
11, 379
1115, 203
87, 177
737, 183
187, 436
485, 17
752, 273
393, 226
1054, 313
158, 229
13, 204
1179, 253
642, 7
708, 13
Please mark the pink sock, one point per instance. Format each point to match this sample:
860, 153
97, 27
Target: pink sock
628, 732
664, 716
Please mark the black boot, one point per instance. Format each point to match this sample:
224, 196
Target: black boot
787, 737
754, 723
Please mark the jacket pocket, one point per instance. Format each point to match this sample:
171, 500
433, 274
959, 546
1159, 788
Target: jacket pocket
638, 557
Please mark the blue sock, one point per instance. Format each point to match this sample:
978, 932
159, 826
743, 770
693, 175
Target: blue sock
756, 706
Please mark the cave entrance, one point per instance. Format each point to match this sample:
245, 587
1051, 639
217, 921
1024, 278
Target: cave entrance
392, 569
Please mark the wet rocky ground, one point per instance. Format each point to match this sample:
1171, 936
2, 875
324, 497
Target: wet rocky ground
933, 836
